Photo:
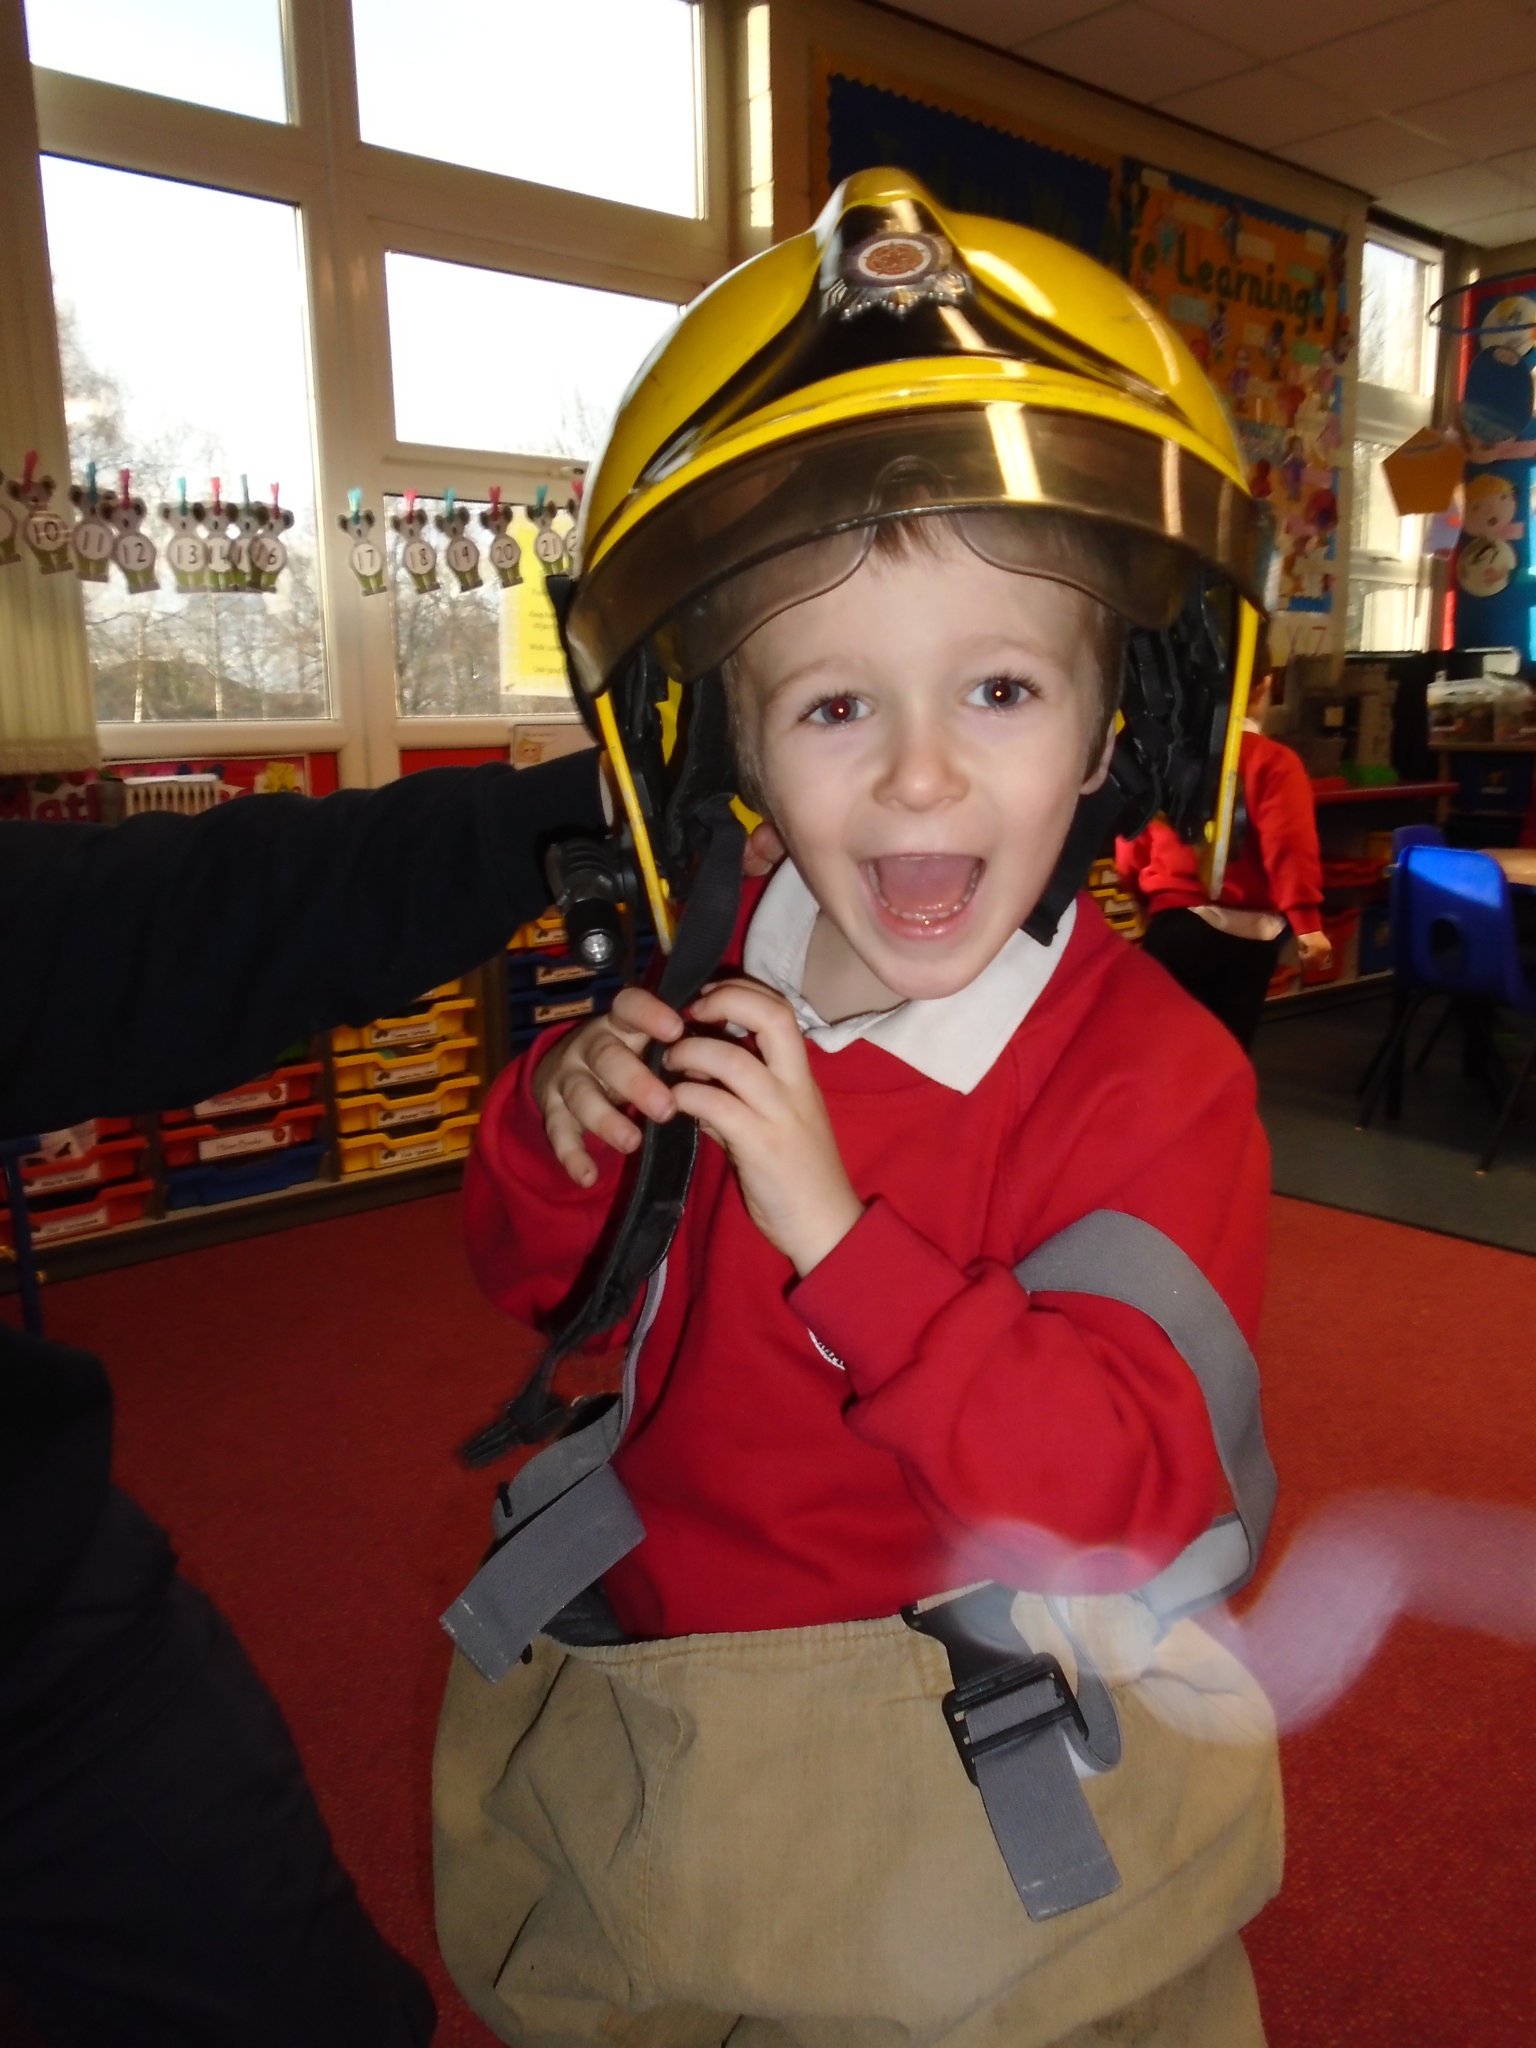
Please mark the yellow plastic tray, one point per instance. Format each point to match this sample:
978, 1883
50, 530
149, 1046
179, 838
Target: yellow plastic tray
404, 1114
377, 1150
410, 1067
446, 1019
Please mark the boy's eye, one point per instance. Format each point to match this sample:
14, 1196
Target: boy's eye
1001, 693
835, 711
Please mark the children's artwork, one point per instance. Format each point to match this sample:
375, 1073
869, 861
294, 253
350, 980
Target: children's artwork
134, 551
94, 536
9, 552
554, 527
266, 557
417, 554
44, 532
186, 550
250, 520
504, 553
216, 524
366, 556
1494, 588
461, 554
1259, 297
1497, 396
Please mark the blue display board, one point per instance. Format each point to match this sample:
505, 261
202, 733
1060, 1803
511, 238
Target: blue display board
1495, 582
971, 165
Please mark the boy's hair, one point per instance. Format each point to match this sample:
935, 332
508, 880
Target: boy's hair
901, 539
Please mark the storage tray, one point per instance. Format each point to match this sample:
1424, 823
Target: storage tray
114, 1159
122, 1202
209, 1144
225, 1181
377, 1150
411, 1067
446, 1019
404, 1109
280, 1089
75, 1140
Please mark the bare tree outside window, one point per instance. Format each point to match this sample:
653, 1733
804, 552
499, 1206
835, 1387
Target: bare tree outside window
166, 409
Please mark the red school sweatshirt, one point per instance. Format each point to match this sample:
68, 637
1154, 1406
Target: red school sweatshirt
970, 1430
1275, 866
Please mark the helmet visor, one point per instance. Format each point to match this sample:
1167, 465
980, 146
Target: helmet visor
1133, 515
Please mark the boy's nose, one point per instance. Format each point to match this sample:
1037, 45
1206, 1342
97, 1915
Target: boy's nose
921, 769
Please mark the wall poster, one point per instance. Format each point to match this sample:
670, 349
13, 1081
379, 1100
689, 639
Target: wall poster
1495, 590
1259, 297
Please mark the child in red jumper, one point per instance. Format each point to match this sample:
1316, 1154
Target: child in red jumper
1225, 953
735, 1812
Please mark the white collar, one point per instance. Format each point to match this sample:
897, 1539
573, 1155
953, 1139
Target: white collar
955, 1040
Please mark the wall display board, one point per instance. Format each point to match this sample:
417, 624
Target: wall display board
1495, 578
1259, 295
968, 160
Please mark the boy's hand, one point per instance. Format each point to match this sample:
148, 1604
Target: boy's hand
581, 1084
767, 1112
1315, 949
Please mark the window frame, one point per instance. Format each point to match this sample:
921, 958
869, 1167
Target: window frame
355, 201
1388, 415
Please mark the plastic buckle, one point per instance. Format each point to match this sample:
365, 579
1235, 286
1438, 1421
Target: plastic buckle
1010, 1677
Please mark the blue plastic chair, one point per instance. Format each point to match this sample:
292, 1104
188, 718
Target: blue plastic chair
1458, 940
1397, 950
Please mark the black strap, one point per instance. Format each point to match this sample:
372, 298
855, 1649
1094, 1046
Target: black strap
665, 1165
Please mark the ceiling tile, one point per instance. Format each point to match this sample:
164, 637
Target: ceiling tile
1450, 197
1373, 154
1132, 51
1443, 49
1521, 166
1270, 31
1498, 230
1487, 121
1265, 107
1002, 22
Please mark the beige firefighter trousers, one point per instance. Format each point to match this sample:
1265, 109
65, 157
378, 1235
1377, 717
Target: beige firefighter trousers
768, 1838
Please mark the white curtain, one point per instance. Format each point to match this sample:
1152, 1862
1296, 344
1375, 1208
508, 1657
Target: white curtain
47, 709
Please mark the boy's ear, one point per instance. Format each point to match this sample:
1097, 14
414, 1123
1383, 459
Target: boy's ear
1094, 779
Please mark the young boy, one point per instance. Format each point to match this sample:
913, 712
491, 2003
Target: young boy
1225, 953
736, 1811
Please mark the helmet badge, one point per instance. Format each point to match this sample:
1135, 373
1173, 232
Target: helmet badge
896, 271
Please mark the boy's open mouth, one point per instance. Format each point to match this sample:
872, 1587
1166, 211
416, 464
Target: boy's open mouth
923, 888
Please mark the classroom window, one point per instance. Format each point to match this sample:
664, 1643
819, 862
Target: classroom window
594, 96
212, 53
1390, 575
474, 631
489, 359
1395, 293
211, 385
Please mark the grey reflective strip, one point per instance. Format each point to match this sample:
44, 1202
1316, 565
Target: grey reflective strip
1035, 1806
578, 1537
1121, 1258
564, 1521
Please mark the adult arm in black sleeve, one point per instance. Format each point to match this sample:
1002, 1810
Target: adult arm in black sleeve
152, 963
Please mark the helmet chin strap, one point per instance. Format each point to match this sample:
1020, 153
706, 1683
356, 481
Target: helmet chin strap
698, 822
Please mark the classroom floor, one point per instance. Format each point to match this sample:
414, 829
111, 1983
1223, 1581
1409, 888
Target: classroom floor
1419, 1170
288, 1406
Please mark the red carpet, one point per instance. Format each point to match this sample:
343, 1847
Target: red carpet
288, 1406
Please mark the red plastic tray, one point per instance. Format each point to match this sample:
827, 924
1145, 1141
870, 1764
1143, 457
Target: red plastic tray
205, 1143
